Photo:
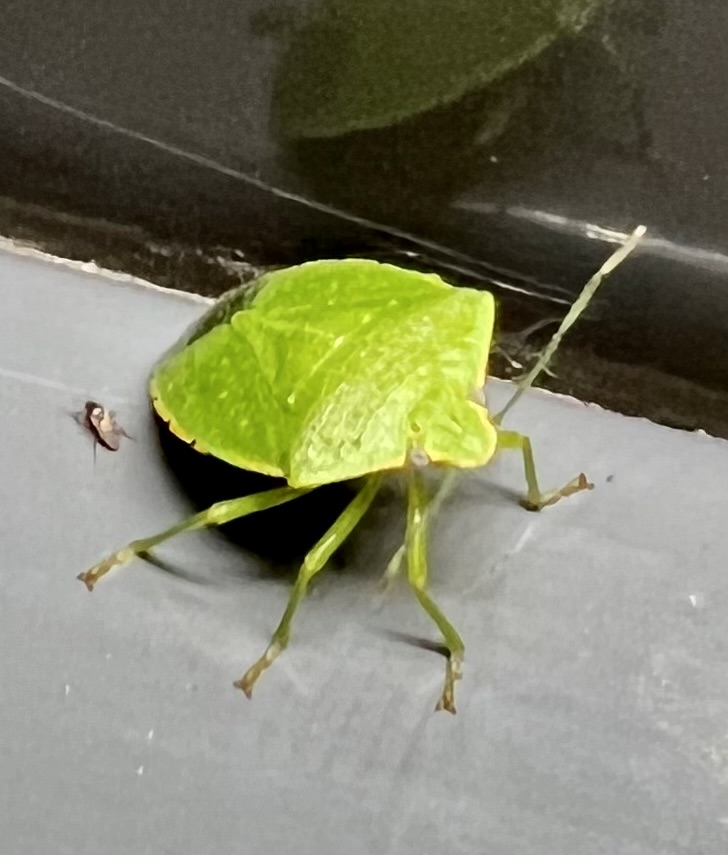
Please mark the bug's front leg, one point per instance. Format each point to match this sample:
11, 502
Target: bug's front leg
217, 514
315, 561
535, 500
443, 492
416, 542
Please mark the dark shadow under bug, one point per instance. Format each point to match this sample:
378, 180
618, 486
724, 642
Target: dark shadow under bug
282, 535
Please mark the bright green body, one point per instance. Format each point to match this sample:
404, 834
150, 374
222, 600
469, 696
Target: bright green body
332, 371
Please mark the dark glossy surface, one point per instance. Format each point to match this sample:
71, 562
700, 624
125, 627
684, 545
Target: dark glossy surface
171, 118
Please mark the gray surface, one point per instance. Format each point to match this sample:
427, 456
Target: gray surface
593, 717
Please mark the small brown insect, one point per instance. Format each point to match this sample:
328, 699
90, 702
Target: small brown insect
102, 425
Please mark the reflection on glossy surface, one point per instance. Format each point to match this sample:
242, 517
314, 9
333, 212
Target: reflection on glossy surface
145, 138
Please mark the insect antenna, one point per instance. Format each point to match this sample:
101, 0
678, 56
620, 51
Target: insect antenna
577, 307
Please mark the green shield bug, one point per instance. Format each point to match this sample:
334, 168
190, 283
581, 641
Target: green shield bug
337, 371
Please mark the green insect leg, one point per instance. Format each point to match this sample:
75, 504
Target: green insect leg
444, 490
314, 562
217, 514
536, 500
416, 542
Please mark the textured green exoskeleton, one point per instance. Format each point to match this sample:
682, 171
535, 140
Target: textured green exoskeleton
339, 370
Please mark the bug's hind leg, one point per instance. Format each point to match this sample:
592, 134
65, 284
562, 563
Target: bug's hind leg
217, 514
416, 543
313, 563
535, 500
